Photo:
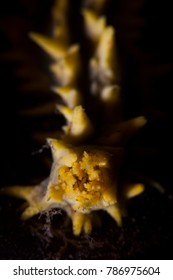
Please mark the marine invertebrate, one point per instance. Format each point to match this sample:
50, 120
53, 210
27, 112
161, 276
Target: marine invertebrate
86, 159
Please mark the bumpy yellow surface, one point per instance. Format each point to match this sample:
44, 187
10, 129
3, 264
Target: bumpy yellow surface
83, 185
81, 181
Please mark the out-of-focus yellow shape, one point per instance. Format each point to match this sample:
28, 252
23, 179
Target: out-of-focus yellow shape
122, 132
96, 5
94, 25
104, 72
133, 190
34, 197
70, 96
60, 9
66, 112
105, 54
60, 21
24, 192
55, 49
78, 126
60, 33
67, 69
111, 94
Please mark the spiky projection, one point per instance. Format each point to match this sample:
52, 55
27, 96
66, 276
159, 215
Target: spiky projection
86, 160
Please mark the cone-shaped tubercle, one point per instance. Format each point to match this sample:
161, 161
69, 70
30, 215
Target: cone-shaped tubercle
62, 153
66, 70
94, 25
49, 45
81, 126
71, 96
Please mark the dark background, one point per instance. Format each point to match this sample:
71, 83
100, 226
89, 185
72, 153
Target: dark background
144, 36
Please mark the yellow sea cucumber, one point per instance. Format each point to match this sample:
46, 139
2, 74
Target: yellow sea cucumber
86, 162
